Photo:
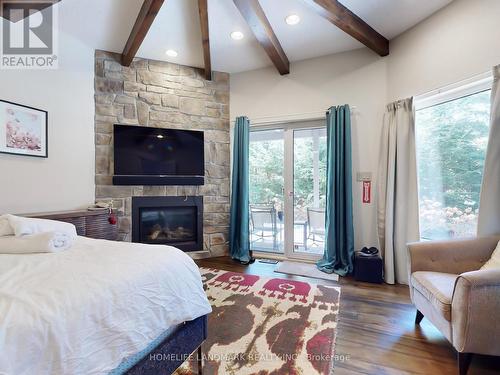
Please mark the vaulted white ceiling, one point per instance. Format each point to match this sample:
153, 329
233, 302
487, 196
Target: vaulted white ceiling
106, 24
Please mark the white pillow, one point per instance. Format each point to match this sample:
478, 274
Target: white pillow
494, 262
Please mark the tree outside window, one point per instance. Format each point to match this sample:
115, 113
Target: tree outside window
451, 148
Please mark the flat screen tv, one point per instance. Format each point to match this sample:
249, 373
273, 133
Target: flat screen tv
155, 156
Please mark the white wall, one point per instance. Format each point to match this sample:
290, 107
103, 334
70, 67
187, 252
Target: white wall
457, 42
66, 179
357, 78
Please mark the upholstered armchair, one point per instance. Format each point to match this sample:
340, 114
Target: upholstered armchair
462, 301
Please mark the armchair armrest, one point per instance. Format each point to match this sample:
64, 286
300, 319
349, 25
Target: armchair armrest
474, 312
455, 256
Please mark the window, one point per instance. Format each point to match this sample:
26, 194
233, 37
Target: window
451, 135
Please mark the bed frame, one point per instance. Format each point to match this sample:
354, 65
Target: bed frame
174, 350
181, 343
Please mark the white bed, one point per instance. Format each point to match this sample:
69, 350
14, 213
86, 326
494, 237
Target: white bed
82, 311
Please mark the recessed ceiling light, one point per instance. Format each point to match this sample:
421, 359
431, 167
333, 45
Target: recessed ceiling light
292, 19
237, 35
171, 53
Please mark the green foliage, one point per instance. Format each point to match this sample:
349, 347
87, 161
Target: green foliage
266, 171
304, 172
451, 147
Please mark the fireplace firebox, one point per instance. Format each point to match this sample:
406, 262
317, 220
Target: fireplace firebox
175, 221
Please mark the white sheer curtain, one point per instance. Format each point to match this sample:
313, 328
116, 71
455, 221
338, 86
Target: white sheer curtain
397, 190
489, 204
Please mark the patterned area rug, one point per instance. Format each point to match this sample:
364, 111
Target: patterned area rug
267, 326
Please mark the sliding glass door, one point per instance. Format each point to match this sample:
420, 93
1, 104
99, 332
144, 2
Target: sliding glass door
287, 189
266, 190
309, 190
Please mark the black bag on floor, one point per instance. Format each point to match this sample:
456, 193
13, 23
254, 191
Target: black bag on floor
368, 266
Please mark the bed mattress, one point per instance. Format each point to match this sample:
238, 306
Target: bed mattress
84, 310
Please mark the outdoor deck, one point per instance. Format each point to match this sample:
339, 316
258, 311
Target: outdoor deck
266, 242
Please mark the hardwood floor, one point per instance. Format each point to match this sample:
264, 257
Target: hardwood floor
377, 332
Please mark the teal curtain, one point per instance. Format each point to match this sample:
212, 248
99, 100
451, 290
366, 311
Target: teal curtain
339, 235
238, 232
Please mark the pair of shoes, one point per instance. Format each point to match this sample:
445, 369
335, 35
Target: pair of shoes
368, 252
252, 260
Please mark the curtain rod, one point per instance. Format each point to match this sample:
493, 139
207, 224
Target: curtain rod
295, 117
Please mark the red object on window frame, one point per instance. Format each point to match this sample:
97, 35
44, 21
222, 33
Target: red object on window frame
367, 191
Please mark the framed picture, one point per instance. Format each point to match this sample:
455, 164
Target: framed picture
23, 130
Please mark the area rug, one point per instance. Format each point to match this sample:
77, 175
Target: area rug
305, 269
267, 326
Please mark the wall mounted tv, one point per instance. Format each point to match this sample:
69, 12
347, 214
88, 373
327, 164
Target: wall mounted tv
154, 156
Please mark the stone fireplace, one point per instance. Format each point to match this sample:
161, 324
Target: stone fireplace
164, 95
175, 221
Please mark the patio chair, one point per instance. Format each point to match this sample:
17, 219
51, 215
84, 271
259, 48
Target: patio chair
316, 224
263, 222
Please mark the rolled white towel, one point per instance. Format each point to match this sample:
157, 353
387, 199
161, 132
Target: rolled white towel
21, 226
46, 242
5, 228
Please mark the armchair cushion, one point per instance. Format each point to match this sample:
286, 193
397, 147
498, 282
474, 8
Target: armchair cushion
494, 262
437, 288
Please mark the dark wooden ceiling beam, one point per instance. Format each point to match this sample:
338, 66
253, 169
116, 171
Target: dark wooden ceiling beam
261, 28
205, 37
350, 23
147, 14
